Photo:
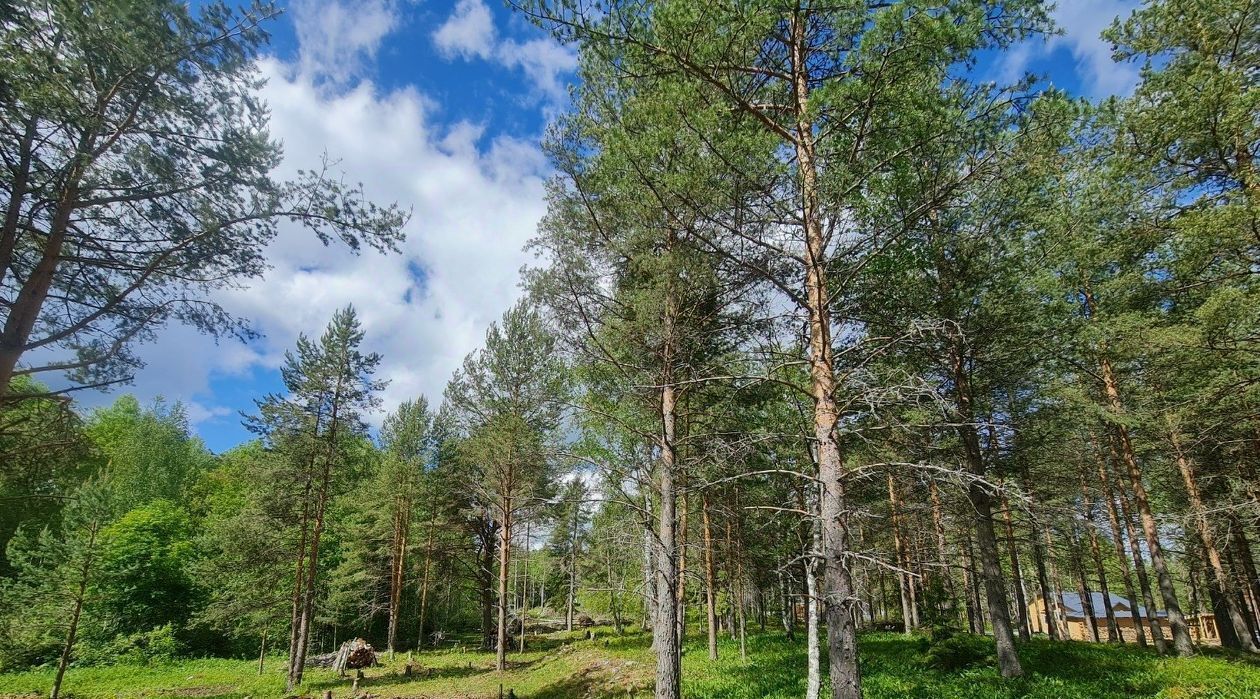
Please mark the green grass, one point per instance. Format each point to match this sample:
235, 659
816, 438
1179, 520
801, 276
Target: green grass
559, 666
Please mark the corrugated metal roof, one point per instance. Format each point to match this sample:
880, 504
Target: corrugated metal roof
1122, 607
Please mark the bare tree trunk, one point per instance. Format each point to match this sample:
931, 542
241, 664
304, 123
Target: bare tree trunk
72, 631
665, 627
1117, 540
505, 554
298, 663
397, 554
1139, 565
682, 571
1176, 621
942, 557
1246, 562
838, 594
487, 577
813, 677
1082, 585
1021, 603
971, 589
649, 569
905, 580
1198, 512
981, 499
424, 582
525, 586
262, 650
299, 578
1048, 594
1091, 530
710, 582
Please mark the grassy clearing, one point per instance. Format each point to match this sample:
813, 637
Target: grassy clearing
559, 667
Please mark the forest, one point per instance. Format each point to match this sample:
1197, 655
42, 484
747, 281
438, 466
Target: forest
840, 369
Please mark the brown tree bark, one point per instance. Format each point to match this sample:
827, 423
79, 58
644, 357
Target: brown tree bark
1198, 513
1176, 620
424, 583
1091, 531
1021, 604
1246, 562
682, 569
1139, 566
838, 597
905, 579
505, 555
398, 549
981, 497
710, 582
665, 623
1082, 586
72, 630
1117, 540
971, 589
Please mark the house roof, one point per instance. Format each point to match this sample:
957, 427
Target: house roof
1121, 606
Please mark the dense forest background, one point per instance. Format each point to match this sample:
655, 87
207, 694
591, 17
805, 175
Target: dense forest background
823, 333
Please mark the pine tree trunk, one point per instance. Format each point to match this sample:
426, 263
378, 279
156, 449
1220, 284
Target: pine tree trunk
1048, 594
424, 583
1082, 586
525, 586
1246, 563
942, 557
981, 498
1095, 551
1198, 513
1139, 566
1176, 621
298, 663
971, 590
838, 597
665, 624
682, 570
649, 568
397, 553
1021, 603
813, 676
488, 553
904, 578
505, 554
710, 582
1126, 571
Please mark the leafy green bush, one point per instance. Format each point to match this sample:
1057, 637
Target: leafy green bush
157, 645
948, 651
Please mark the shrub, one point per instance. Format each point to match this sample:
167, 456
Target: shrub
950, 652
156, 645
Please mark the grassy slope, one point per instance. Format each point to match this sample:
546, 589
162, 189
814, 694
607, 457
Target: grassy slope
623, 667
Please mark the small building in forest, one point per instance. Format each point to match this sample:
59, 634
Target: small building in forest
1074, 623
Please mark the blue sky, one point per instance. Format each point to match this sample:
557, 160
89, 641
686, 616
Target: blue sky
440, 106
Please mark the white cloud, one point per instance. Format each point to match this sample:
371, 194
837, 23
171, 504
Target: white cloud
1082, 22
474, 204
336, 39
470, 33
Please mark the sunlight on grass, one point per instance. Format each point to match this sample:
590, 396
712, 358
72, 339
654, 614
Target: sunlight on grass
563, 665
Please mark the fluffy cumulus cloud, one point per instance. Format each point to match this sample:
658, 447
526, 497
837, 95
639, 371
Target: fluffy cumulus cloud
469, 32
338, 40
1082, 23
474, 204
475, 201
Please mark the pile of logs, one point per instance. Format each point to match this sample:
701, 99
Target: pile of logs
355, 654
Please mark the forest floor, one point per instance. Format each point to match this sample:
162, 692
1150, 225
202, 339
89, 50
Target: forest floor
561, 666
